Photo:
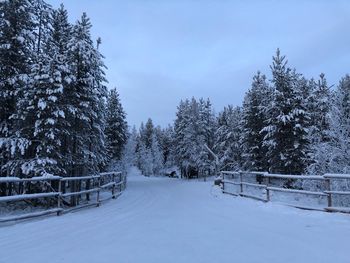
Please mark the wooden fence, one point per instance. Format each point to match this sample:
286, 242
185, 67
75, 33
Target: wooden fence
61, 194
324, 190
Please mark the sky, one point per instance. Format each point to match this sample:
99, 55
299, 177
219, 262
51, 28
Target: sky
161, 51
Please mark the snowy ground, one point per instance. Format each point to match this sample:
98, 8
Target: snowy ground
169, 220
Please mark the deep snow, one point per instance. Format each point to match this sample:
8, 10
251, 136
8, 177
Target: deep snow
169, 220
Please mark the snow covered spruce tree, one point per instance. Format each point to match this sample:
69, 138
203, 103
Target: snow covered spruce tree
143, 152
52, 93
157, 156
254, 117
116, 126
150, 158
206, 132
228, 138
302, 124
60, 38
181, 136
194, 128
286, 128
42, 15
165, 138
319, 134
16, 52
144, 159
130, 149
43, 101
331, 155
320, 104
40, 106
146, 133
85, 102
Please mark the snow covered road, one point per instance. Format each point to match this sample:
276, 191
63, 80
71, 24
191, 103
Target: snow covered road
169, 220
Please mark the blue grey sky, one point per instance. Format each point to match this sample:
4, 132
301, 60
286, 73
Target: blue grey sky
159, 52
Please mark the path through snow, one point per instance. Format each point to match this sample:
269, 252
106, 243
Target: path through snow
169, 220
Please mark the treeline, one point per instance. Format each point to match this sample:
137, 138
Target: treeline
150, 148
288, 125
56, 114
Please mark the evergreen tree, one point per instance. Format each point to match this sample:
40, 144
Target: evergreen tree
319, 134
42, 19
157, 156
320, 104
194, 129
186, 128
60, 31
59, 41
254, 116
181, 134
98, 152
302, 119
42, 106
43, 101
116, 126
165, 139
130, 149
16, 45
149, 151
228, 136
332, 154
146, 133
145, 160
205, 136
86, 95
52, 93
285, 131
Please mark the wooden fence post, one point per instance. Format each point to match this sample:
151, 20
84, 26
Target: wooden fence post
121, 185
267, 189
113, 187
223, 182
78, 190
63, 186
59, 197
72, 188
87, 187
329, 195
241, 181
98, 191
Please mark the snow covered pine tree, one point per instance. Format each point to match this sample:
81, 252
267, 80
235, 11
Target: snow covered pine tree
16, 51
286, 128
254, 117
116, 126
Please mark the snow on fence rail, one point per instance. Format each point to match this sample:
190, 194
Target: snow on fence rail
62, 194
330, 192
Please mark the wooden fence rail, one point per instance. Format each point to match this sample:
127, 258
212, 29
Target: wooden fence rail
61, 189
266, 183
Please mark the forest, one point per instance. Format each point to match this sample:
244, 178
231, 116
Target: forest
174, 131
286, 125
58, 116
